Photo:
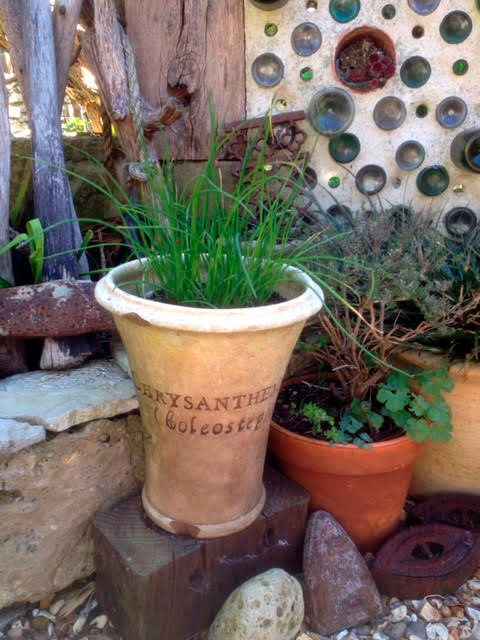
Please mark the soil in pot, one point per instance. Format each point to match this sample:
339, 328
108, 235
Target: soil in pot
304, 391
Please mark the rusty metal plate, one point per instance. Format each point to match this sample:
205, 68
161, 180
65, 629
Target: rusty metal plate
51, 310
455, 509
426, 559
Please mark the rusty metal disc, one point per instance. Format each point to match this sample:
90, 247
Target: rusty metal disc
455, 509
426, 559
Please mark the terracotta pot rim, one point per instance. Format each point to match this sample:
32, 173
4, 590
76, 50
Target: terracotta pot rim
344, 447
468, 368
306, 300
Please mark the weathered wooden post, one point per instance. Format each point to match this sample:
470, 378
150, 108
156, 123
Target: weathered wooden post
12, 353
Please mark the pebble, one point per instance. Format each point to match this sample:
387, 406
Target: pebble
79, 624
40, 623
266, 607
396, 630
398, 613
437, 631
416, 629
378, 635
429, 613
15, 632
99, 622
56, 606
474, 585
474, 614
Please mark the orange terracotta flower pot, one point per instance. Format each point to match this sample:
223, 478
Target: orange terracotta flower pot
364, 489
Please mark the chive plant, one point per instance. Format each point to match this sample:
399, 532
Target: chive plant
205, 246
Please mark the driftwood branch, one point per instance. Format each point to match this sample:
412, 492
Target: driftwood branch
52, 196
66, 15
12, 351
6, 271
12, 14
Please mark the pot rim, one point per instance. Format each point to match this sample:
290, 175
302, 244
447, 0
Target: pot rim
458, 368
345, 447
160, 314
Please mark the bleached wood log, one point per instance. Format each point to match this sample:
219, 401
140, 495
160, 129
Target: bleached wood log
66, 15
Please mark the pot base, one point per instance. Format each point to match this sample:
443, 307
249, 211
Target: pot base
203, 530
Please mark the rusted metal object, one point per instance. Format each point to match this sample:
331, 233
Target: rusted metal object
53, 309
455, 509
431, 558
285, 140
280, 147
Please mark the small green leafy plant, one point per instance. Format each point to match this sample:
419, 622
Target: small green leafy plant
416, 404
412, 403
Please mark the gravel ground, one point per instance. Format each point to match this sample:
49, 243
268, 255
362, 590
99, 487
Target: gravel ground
75, 614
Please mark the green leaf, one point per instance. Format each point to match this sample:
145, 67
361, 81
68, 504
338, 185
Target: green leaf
398, 381
375, 420
393, 400
400, 418
419, 406
362, 443
22, 238
440, 413
37, 254
350, 424
358, 408
418, 430
434, 382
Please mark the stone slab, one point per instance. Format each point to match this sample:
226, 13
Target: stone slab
155, 585
15, 436
59, 400
49, 494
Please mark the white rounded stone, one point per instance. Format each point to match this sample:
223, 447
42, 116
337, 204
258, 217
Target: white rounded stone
267, 607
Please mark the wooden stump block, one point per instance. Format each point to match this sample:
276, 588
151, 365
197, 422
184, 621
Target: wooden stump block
155, 585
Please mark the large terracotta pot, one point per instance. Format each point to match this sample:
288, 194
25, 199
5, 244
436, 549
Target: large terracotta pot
455, 465
207, 381
364, 489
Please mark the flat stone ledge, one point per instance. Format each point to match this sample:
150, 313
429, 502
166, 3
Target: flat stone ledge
58, 400
15, 436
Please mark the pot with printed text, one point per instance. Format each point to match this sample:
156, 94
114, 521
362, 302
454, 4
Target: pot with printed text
207, 381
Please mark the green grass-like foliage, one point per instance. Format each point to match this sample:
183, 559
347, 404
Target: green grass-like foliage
206, 246
412, 402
